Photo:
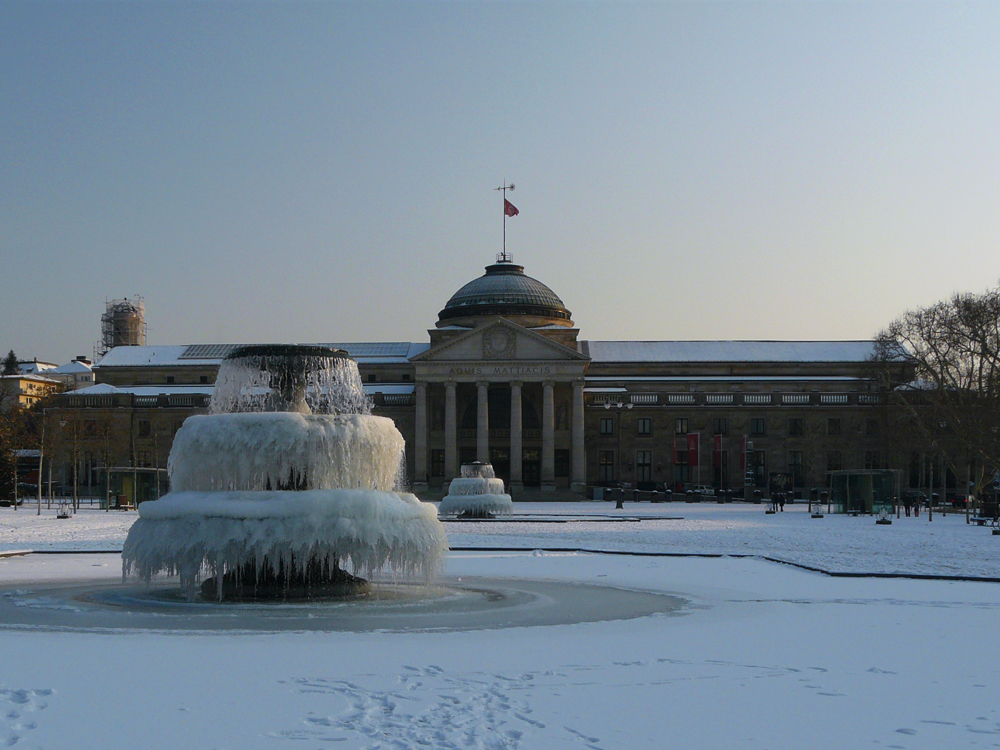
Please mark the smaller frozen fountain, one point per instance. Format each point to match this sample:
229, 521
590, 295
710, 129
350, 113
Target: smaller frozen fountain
476, 494
287, 479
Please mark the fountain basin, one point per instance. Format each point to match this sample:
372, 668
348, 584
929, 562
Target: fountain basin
478, 493
362, 530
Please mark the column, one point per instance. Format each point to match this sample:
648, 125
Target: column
516, 438
450, 432
578, 457
420, 439
548, 437
483, 422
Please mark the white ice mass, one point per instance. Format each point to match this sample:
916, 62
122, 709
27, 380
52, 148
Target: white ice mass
264, 493
477, 493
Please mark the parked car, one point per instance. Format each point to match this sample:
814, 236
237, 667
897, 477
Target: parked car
958, 501
702, 489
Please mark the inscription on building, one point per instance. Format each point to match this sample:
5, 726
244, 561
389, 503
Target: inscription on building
480, 370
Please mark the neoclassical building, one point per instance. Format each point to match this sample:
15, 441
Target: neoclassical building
506, 378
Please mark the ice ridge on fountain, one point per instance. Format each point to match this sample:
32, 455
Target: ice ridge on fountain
478, 493
287, 483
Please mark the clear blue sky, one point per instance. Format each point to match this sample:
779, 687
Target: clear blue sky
325, 171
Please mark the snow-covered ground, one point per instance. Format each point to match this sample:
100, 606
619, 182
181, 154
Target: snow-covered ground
763, 655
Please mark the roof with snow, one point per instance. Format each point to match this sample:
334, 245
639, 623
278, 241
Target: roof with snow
400, 352
730, 351
34, 378
377, 352
71, 368
35, 367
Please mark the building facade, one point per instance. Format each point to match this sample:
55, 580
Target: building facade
505, 378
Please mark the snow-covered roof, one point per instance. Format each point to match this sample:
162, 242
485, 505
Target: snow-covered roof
139, 356
393, 352
34, 378
730, 351
375, 352
71, 368
96, 390
35, 367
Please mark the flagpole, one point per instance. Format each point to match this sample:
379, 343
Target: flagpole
503, 191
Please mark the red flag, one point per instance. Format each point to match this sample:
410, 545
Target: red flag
509, 209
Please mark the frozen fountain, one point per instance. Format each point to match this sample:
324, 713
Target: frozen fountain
476, 494
288, 480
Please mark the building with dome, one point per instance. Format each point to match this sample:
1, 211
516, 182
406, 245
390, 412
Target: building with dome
505, 377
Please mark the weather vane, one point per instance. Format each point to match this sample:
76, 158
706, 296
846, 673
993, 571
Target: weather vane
508, 210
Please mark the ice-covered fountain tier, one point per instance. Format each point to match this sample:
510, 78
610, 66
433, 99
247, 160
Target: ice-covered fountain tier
286, 484
476, 494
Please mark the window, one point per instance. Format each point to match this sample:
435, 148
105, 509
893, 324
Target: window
871, 426
681, 455
796, 426
562, 462
834, 461
606, 466
758, 426
170, 379
437, 462
406, 377
644, 425
142, 458
607, 426
680, 427
719, 426
143, 428
872, 460
833, 426
644, 466
757, 468
372, 378
797, 468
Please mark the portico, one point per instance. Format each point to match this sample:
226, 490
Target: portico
503, 394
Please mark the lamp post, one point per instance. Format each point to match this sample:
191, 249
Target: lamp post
618, 406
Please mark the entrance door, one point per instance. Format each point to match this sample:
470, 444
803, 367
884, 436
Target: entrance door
531, 467
500, 458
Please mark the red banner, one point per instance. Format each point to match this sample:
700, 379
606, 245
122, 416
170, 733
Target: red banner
692, 446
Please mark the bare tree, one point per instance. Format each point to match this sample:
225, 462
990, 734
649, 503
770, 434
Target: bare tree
953, 397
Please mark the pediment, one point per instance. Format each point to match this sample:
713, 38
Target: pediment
500, 341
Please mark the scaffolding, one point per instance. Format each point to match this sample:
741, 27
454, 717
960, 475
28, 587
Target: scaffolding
122, 324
